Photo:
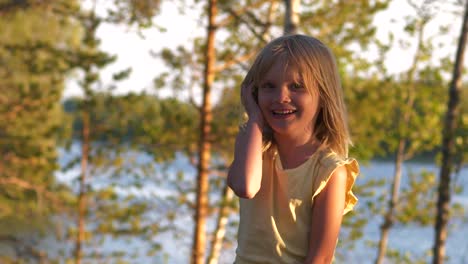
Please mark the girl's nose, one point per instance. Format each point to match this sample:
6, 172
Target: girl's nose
282, 95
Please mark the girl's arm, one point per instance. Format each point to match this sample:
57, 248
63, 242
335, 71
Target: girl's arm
327, 214
245, 172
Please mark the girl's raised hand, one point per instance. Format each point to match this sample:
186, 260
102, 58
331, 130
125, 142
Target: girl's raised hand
249, 101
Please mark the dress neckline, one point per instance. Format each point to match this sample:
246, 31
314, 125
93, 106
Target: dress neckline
279, 166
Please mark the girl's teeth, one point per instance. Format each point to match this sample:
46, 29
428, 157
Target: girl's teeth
283, 112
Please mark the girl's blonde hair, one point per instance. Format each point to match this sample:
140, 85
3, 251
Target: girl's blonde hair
319, 73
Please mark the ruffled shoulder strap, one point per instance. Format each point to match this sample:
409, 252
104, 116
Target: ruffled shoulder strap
327, 164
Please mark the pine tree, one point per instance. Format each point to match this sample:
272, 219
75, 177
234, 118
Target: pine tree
36, 38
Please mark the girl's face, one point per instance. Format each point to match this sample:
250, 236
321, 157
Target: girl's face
286, 104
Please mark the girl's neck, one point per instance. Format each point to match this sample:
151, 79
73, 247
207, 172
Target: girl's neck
294, 152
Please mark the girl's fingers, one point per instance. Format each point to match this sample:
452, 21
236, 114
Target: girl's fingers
249, 102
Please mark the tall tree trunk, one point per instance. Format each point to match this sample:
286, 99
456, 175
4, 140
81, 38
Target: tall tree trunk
389, 218
218, 236
199, 235
393, 201
453, 109
82, 191
291, 16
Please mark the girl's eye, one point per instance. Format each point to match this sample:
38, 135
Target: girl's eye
297, 86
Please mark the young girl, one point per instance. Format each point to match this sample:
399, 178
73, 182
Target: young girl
291, 167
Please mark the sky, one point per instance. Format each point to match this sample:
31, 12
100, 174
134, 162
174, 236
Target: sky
134, 51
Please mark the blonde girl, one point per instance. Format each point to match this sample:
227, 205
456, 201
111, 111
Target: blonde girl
291, 168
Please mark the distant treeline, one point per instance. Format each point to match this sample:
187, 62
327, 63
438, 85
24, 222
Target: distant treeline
147, 121
137, 119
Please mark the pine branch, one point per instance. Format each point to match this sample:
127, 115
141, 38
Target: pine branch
41, 191
235, 61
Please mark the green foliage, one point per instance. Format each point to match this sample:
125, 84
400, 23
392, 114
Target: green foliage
405, 257
377, 133
341, 23
229, 113
421, 187
32, 72
368, 126
143, 121
134, 12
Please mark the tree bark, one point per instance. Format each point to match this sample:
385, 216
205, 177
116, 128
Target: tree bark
291, 16
199, 236
393, 201
82, 191
218, 236
448, 146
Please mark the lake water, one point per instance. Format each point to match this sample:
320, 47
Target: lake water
412, 240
